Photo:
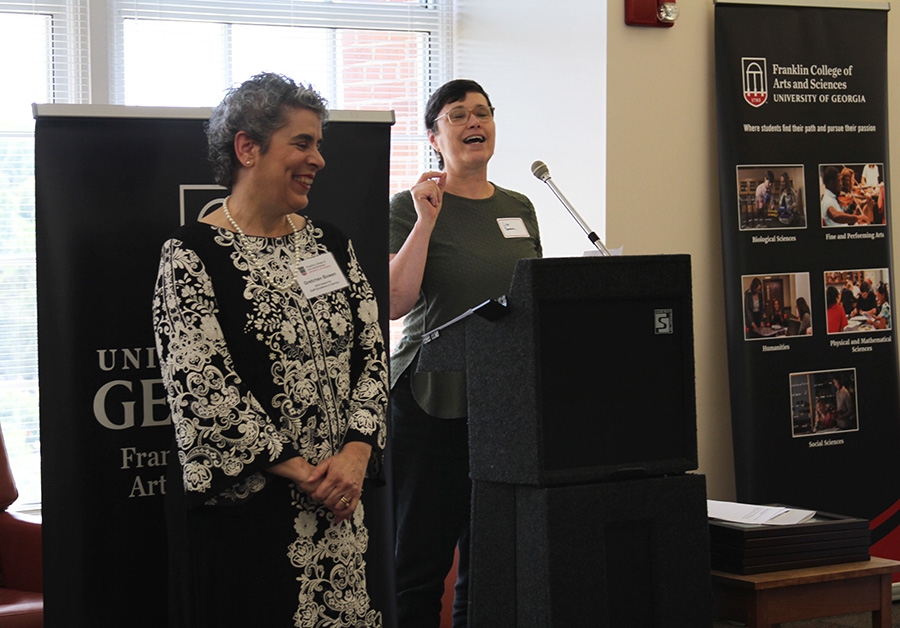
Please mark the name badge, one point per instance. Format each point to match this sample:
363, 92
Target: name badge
513, 227
320, 275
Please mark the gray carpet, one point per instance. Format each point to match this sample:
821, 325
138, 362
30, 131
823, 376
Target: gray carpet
861, 620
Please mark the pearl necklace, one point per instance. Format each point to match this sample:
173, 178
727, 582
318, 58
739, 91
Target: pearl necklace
250, 250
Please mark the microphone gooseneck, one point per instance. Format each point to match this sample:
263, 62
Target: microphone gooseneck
542, 172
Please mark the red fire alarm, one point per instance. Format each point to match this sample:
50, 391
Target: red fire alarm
650, 13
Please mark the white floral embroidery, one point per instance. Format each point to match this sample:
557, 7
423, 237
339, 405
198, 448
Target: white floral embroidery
327, 372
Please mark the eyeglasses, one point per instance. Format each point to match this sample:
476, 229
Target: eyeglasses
460, 115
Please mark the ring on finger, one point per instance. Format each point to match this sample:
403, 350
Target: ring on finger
344, 500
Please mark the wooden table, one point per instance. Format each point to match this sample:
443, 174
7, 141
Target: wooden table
768, 599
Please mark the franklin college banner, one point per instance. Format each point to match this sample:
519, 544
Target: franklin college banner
111, 184
803, 164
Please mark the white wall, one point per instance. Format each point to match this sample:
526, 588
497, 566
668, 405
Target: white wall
545, 74
662, 123
542, 64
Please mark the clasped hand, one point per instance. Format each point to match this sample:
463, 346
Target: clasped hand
335, 482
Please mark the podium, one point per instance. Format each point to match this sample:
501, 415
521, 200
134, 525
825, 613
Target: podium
582, 430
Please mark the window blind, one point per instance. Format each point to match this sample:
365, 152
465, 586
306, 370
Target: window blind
365, 54
45, 48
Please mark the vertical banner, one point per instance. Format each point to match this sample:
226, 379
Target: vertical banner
803, 165
111, 184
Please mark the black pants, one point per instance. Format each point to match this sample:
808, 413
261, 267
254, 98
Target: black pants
432, 502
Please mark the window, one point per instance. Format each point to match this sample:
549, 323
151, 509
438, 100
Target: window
363, 54
367, 54
46, 42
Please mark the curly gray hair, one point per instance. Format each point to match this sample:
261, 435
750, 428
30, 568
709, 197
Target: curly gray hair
257, 107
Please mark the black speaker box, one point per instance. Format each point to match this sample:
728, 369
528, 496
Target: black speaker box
628, 554
589, 377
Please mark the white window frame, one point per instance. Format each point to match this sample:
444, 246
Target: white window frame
433, 17
88, 38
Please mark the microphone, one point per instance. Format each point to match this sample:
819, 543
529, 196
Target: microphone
542, 172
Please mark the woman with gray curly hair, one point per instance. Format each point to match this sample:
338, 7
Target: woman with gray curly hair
275, 372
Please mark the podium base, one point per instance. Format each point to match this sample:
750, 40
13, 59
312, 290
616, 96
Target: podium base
625, 554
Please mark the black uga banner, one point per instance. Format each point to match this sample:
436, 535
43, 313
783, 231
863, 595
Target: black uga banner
805, 212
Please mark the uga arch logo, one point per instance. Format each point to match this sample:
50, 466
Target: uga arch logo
754, 80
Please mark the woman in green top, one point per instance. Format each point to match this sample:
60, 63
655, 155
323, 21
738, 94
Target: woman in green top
455, 239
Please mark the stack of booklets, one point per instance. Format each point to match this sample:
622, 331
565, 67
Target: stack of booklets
824, 539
